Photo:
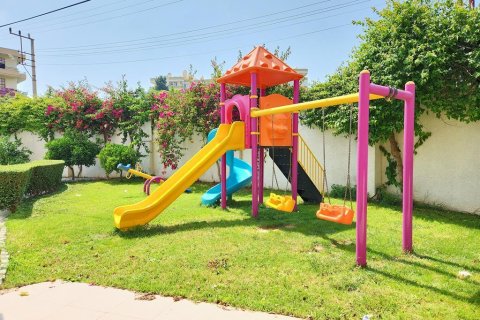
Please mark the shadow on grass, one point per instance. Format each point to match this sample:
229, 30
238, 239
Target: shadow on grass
474, 299
427, 213
303, 222
26, 207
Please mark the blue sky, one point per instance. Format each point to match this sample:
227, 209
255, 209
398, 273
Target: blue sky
103, 39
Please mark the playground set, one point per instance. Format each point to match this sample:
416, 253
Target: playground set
271, 121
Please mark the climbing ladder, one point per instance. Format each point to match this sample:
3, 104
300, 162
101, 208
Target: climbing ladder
310, 171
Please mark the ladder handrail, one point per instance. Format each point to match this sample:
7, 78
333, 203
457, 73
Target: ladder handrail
310, 164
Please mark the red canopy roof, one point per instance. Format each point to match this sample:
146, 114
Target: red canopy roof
270, 70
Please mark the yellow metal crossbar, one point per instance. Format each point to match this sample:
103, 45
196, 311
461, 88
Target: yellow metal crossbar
310, 164
322, 103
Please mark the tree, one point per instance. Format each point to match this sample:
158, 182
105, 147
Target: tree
434, 43
75, 149
160, 83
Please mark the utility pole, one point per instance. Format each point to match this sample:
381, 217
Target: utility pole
31, 59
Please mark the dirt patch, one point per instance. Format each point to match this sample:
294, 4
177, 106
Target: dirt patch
146, 297
217, 265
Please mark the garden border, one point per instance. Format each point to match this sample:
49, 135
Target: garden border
4, 256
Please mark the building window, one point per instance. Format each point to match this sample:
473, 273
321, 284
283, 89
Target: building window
2, 83
2, 63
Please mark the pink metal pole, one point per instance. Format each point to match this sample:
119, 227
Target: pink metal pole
294, 177
223, 170
254, 144
362, 167
385, 91
261, 174
261, 164
408, 150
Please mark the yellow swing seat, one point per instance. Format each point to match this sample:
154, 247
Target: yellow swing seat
282, 203
335, 213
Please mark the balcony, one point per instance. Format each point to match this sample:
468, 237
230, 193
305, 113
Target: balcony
12, 73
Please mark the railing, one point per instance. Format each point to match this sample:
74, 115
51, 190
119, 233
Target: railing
310, 164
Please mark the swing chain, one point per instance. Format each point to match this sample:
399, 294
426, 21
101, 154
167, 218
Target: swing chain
348, 188
325, 182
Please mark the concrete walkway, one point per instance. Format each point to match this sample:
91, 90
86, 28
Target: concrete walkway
66, 300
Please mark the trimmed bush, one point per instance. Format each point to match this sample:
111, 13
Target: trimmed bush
113, 154
46, 176
13, 183
34, 178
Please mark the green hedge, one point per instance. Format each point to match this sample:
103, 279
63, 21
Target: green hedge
34, 178
13, 183
46, 176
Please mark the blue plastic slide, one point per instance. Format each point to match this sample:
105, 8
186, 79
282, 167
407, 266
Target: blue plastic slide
240, 176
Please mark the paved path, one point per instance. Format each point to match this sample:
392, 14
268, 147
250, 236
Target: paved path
67, 300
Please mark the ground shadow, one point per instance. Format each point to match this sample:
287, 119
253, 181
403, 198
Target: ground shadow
474, 299
25, 209
304, 222
430, 213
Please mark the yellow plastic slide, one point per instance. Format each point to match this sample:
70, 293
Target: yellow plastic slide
228, 137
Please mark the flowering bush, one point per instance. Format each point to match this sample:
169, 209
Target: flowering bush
129, 110
7, 92
205, 112
183, 113
83, 111
173, 125
175, 115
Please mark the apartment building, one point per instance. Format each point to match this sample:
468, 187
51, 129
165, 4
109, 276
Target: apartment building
10, 77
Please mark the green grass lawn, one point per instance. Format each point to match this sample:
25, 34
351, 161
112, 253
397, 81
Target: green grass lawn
284, 263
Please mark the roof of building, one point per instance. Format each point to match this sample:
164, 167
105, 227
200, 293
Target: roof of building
270, 70
10, 52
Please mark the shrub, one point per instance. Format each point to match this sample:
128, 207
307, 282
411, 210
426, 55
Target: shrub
14, 180
338, 191
74, 149
46, 176
12, 152
113, 154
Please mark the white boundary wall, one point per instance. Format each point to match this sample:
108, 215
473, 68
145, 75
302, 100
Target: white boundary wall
446, 172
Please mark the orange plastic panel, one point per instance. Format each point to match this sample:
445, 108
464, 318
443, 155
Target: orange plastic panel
280, 134
335, 213
270, 70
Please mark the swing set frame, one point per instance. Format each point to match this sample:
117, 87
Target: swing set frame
370, 91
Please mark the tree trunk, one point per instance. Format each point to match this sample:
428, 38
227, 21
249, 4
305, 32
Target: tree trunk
72, 172
397, 154
79, 171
